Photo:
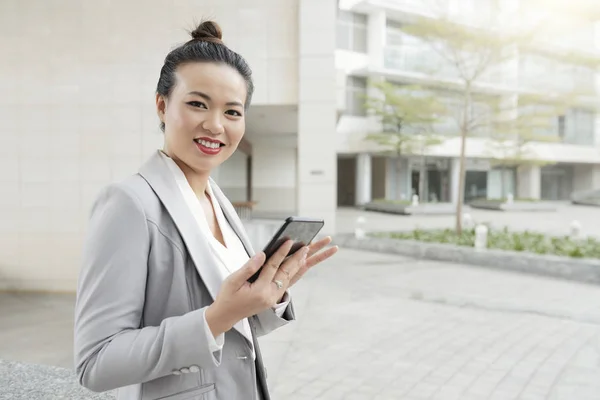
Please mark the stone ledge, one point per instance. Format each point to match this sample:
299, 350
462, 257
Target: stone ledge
515, 206
408, 209
33, 382
579, 270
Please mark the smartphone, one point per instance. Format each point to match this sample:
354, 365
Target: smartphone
301, 230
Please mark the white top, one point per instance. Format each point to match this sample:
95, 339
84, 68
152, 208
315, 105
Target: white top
229, 258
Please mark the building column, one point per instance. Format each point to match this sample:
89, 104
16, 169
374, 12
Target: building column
530, 181
363, 179
376, 38
317, 113
454, 179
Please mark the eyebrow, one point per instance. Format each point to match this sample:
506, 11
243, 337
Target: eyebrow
207, 98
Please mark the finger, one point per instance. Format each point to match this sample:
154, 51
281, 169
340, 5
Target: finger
290, 268
318, 246
312, 261
320, 257
273, 263
241, 276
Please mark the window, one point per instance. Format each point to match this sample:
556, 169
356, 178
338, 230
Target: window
561, 126
579, 127
352, 31
356, 90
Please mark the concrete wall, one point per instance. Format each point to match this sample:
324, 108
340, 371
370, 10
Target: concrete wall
77, 109
232, 177
274, 173
586, 177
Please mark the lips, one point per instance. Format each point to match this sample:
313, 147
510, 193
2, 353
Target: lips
209, 146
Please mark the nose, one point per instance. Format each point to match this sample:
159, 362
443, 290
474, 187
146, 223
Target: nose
213, 123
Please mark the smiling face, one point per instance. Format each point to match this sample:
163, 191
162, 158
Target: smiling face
204, 115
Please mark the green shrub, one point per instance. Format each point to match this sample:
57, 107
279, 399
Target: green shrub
532, 242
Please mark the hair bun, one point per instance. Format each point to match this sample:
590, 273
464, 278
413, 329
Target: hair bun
208, 31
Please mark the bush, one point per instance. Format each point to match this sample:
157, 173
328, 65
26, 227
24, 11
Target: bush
531, 242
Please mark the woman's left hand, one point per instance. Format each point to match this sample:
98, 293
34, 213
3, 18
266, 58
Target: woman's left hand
315, 256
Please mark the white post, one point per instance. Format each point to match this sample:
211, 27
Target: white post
481, 233
415, 200
509, 198
359, 230
467, 221
575, 230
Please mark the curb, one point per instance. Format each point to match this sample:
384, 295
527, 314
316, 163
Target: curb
579, 270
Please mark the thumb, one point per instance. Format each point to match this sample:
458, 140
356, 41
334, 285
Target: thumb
243, 274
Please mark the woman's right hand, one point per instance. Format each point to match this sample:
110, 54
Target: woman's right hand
239, 299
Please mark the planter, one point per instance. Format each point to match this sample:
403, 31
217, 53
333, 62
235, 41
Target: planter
408, 209
573, 269
517, 206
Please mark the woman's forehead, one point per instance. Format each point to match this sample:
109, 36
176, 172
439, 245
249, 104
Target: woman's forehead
216, 78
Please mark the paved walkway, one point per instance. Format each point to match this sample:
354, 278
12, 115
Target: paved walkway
376, 326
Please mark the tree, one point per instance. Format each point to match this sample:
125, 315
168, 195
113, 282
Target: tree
406, 115
524, 121
473, 54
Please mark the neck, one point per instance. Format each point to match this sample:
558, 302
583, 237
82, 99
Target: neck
197, 180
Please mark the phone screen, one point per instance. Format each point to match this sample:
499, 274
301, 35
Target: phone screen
301, 232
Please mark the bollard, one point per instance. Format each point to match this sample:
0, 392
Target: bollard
415, 200
481, 233
359, 229
510, 198
467, 221
575, 230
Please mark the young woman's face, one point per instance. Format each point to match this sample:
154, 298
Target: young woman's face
204, 115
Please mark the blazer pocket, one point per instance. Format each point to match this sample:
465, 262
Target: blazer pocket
190, 393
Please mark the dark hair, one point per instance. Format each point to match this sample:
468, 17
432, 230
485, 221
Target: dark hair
205, 46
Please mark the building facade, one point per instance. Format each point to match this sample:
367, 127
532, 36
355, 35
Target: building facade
372, 46
78, 82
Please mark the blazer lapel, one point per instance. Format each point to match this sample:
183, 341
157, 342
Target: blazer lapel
158, 176
232, 217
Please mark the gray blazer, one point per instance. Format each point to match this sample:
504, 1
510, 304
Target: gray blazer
145, 281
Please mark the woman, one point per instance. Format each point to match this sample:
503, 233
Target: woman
164, 309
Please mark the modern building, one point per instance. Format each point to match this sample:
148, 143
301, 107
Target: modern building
77, 111
78, 81
373, 46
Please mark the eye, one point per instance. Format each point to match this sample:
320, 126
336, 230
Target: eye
234, 113
197, 104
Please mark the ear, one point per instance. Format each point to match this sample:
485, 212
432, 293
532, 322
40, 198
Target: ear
161, 107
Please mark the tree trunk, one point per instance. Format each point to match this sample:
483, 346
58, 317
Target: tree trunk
398, 165
503, 194
464, 131
422, 175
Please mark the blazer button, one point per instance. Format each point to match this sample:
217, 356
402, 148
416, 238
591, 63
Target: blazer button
194, 368
185, 370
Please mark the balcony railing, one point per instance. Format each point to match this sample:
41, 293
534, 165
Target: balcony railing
426, 61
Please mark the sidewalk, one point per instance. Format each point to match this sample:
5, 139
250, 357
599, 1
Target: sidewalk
376, 326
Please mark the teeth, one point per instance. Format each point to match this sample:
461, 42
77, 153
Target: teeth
210, 145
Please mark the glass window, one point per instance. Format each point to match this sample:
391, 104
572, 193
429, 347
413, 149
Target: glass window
579, 127
356, 90
352, 31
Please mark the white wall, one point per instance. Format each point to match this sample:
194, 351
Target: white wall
232, 177
274, 174
586, 177
77, 109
